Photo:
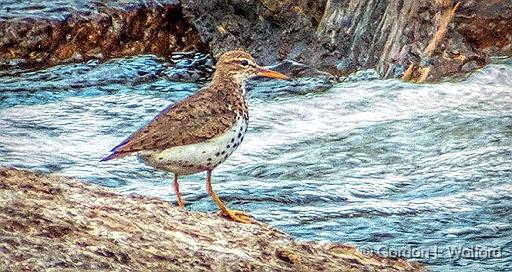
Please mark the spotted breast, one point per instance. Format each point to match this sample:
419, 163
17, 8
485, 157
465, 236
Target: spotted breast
203, 156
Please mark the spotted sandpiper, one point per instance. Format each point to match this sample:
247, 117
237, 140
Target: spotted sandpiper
200, 132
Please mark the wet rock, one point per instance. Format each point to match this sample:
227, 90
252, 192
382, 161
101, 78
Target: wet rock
271, 30
417, 40
300, 70
65, 32
486, 26
57, 223
469, 66
364, 75
190, 67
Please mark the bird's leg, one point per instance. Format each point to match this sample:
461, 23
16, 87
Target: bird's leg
177, 191
237, 216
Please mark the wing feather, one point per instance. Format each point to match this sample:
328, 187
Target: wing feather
197, 118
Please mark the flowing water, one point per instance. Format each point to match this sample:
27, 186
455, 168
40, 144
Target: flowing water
401, 169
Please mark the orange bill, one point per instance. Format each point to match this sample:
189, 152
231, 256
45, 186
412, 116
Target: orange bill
269, 73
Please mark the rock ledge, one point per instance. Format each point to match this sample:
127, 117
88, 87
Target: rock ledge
58, 223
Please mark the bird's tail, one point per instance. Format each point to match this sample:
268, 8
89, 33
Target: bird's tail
115, 155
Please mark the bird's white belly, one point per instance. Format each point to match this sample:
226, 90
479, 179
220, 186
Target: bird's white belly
194, 158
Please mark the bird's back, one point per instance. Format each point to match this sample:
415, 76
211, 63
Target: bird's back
196, 119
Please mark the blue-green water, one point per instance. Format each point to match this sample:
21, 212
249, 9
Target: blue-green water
385, 165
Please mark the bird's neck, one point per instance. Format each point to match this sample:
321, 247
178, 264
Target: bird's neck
228, 84
233, 92
224, 75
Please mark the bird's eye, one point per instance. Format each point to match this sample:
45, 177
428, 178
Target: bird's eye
244, 63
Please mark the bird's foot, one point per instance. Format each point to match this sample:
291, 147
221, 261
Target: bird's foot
237, 216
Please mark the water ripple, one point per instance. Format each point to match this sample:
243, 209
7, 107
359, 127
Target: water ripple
372, 162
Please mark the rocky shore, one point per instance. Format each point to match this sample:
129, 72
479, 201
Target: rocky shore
36, 35
57, 223
415, 40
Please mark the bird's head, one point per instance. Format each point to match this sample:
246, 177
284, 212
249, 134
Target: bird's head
240, 66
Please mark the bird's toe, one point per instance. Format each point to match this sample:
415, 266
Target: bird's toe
238, 216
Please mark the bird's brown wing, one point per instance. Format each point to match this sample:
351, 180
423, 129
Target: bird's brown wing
197, 118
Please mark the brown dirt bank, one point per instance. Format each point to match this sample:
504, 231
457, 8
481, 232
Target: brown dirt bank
58, 223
